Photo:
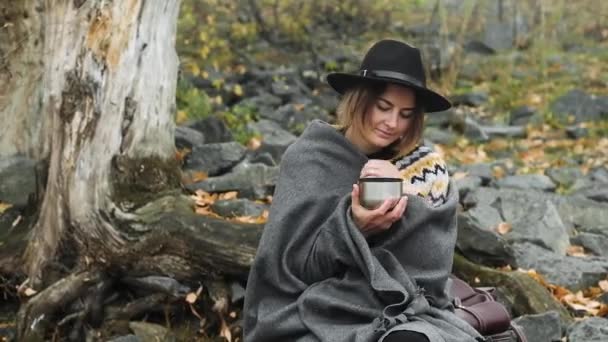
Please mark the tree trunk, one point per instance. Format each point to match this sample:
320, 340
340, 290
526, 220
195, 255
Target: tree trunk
89, 90
21, 40
108, 93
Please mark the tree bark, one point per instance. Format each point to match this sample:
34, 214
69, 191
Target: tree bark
21, 40
108, 93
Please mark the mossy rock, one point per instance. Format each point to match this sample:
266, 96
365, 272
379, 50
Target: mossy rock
524, 295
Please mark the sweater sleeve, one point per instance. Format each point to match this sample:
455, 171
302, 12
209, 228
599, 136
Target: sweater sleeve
425, 174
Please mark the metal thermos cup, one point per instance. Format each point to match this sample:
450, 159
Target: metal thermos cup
375, 190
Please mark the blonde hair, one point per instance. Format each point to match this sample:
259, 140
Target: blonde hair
353, 108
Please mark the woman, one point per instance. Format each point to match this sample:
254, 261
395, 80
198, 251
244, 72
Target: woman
327, 269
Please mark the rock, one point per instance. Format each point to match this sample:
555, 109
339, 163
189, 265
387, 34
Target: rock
467, 184
275, 139
264, 104
564, 176
439, 119
577, 132
582, 106
481, 170
17, 180
575, 211
475, 46
523, 115
151, 332
544, 326
597, 192
474, 99
478, 241
440, 135
584, 214
289, 89
474, 131
529, 181
238, 207
504, 131
260, 157
186, 137
573, 273
214, 130
592, 329
294, 117
594, 243
483, 195
599, 174
540, 224
254, 181
237, 292
214, 158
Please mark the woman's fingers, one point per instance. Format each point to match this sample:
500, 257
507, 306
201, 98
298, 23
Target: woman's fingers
355, 195
399, 209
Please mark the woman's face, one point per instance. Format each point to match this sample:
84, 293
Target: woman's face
387, 119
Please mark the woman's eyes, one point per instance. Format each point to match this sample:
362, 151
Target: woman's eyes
403, 114
383, 108
406, 115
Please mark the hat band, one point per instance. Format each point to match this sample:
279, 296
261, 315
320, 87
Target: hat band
391, 74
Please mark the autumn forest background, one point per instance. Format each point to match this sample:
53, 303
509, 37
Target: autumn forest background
527, 142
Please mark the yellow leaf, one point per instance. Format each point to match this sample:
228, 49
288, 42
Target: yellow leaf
498, 172
229, 195
225, 330
503, 228
459, 175
254, 143
238, 90
4, 206
191, 297
576, 251
181, 116
28, 292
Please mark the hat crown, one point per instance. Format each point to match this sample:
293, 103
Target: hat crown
395, 56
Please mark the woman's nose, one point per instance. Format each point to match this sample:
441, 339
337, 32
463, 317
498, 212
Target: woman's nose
391, 120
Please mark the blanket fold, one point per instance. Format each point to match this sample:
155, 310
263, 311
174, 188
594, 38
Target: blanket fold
316, 277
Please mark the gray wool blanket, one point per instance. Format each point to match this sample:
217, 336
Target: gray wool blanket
317, 278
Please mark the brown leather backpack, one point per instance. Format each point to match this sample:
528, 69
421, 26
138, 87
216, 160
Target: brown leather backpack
478, 307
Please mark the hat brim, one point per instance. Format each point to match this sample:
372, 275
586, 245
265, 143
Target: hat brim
430, 100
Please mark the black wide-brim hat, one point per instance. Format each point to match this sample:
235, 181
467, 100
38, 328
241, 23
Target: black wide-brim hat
393, 61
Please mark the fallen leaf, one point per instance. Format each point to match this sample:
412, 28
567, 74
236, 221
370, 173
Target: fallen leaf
4, 206
459, 175
603, 284
503, 228
229, 195
28, 292
498, 172
225, 330
576, 251
254, 143
191, 298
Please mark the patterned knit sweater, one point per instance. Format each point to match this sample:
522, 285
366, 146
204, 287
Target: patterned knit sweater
425, 174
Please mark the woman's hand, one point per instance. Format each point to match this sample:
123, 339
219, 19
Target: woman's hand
377, 220
379, 168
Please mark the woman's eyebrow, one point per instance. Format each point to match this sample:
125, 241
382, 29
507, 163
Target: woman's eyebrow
391, 104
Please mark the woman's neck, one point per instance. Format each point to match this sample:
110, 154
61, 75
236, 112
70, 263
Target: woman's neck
359, 142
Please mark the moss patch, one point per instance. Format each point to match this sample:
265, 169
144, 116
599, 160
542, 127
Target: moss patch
141, 180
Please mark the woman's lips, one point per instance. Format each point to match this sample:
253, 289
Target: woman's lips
384, 135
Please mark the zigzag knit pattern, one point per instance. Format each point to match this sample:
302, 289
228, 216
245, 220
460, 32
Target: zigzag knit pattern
425, 174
